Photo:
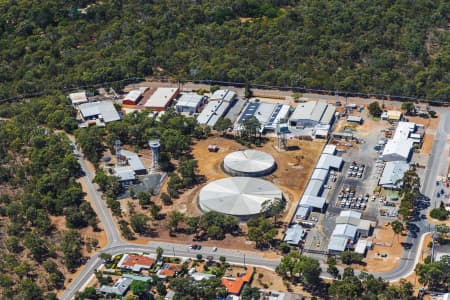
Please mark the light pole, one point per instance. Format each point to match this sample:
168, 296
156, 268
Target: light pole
244, 259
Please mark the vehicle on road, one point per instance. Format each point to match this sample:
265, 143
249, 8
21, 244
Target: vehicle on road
214, 249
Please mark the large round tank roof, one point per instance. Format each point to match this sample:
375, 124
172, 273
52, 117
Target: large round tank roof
238, 196
249, 163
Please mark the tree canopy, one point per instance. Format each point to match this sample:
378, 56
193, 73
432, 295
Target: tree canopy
394, 47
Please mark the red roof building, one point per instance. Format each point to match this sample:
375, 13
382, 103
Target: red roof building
136, 262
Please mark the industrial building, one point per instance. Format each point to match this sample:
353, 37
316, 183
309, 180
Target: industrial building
393, 175
349, 227
133, 161
249, 163
225, 95
294, 235
103, 111
134, 96
312, 113
401, 145
269, 115
161, 99
354, 119
312, 196
190, 103
238, 196
78, 98
128, 166
220, 103
125, 174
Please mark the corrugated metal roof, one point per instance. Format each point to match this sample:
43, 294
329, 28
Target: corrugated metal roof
191, 100
225, 95
133, 160
104, 108
354, 119
329, 149
320, 174
312, 110
346, 230
212, 112
393, 173
133, 95
337, 243
302, 212
327, 161
161, 97
294, 234
312, 201
78, 98
328, 115
124, 173
314, 188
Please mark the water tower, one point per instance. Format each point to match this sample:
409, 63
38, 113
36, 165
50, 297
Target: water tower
154, 146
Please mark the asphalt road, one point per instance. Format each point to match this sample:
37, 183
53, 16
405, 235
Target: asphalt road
436, 166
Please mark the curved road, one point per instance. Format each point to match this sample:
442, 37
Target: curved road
437, 166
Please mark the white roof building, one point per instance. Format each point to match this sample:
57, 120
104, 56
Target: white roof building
78, 98
314, 187
294, 234
312, 201
320, 174
400, 146
225, 95
133, 96
190, 102
337, 244
302, 212
125, 173
329, 149
133, 160
327, 161
120, 287
213, 111
99, 110
393, 174
161, 98
361, 246
268, 114
309, 114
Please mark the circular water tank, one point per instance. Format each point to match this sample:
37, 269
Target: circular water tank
249, 163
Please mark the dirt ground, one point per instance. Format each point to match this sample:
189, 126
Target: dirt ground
430, 124
294, 167
269, 280
427, 144
384, 241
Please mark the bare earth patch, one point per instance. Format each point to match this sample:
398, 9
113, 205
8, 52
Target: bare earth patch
427, 144
294, 167
385, 242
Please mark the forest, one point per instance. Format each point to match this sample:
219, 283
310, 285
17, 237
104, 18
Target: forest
392, 47
38, 173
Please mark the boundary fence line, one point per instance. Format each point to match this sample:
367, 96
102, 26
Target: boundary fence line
294, 89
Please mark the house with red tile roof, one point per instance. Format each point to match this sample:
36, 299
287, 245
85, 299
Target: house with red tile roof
169, 270
234, 286
136, 262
